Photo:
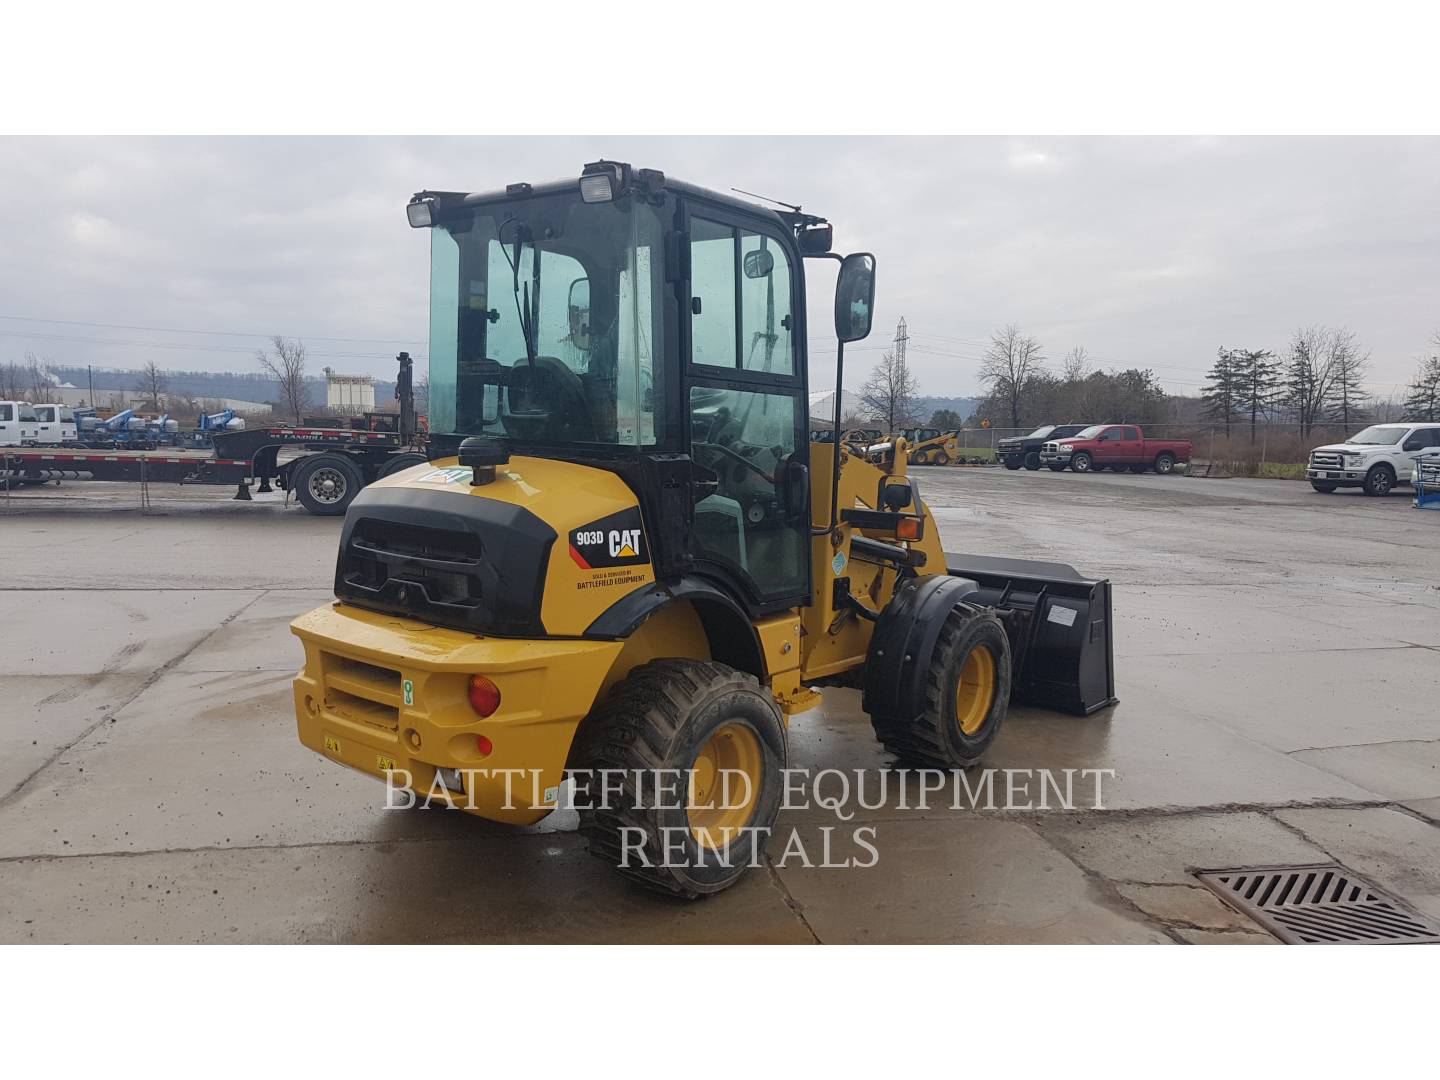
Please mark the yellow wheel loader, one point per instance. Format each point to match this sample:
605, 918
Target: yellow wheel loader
625, 566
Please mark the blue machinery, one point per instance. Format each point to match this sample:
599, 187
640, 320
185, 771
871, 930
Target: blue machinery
1427, 483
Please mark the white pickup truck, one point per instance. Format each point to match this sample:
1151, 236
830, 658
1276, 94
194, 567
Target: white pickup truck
19, 426
57, 426
1375, 459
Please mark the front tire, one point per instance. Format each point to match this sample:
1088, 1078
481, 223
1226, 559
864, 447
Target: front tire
1013, 464
1032, 461
712, 724
967, 693
1055, 467
1082, 462
940, 458
1137, 469
1324, 489
1379, 480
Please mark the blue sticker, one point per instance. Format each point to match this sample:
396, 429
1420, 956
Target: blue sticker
838, 563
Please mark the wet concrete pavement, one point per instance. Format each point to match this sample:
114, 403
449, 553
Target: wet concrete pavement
1276, 658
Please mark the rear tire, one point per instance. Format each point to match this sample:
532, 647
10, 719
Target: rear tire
967, 693
1324, 489
1082, 462
1032, 460
682, 715
400, 462
326, 484
1379, 480
1013, 464
1164, 463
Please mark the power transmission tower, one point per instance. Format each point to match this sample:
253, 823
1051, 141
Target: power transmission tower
902, 335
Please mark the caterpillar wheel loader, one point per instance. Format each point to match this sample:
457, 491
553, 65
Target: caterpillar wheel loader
625, 558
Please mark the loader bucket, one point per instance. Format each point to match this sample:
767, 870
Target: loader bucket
1058, 624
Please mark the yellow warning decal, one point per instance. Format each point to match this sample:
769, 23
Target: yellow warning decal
384, 763
332, 744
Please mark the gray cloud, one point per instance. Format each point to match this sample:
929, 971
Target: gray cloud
1148, 251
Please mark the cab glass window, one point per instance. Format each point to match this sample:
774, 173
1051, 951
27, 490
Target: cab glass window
765, 305
712, 293
740, 286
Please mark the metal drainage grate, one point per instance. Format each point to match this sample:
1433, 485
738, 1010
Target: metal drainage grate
1324, 904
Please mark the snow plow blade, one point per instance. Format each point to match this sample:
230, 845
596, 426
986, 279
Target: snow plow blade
1059, 627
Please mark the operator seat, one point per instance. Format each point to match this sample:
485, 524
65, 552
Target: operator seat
547, 402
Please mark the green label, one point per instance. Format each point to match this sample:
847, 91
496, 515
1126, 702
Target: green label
409, 688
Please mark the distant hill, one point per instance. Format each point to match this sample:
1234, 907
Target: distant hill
202, 385
963, 406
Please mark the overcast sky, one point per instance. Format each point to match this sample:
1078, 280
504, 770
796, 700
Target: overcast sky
1148, 251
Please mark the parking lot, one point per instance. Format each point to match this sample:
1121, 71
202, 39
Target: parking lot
1277, 654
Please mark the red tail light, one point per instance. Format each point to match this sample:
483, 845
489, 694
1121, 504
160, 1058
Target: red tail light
484, 745
484, 695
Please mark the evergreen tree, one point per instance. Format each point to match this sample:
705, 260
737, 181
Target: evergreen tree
1423, 400
1347, 390
1258, 375
1225, 390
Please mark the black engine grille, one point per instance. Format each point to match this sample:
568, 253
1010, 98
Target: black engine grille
468, 562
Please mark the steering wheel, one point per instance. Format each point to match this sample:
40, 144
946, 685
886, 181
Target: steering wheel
742, 459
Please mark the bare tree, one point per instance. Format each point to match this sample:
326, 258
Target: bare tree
287, 367
151, 385
12, 380
37, 372
1076, 364
1310, 375
888, 396
1012, 362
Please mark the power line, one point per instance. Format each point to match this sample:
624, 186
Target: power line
188, 346
212, 333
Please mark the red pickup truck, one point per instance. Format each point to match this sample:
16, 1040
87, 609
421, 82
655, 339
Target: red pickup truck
1114, 446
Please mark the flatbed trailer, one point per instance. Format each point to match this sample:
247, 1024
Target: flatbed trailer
325, 469
325, 466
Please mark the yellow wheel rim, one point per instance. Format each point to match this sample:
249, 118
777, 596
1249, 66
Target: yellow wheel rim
975, 692
725, 785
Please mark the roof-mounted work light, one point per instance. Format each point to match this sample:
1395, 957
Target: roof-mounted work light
421, 213
601, 181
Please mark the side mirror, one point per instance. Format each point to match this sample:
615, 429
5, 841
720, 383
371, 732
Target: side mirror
758, 264
579, 306
855, 297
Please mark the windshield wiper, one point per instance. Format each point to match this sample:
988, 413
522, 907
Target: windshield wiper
525, 312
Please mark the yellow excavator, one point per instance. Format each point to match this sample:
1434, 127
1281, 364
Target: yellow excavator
624, 559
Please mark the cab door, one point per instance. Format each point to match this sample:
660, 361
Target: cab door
744, 403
